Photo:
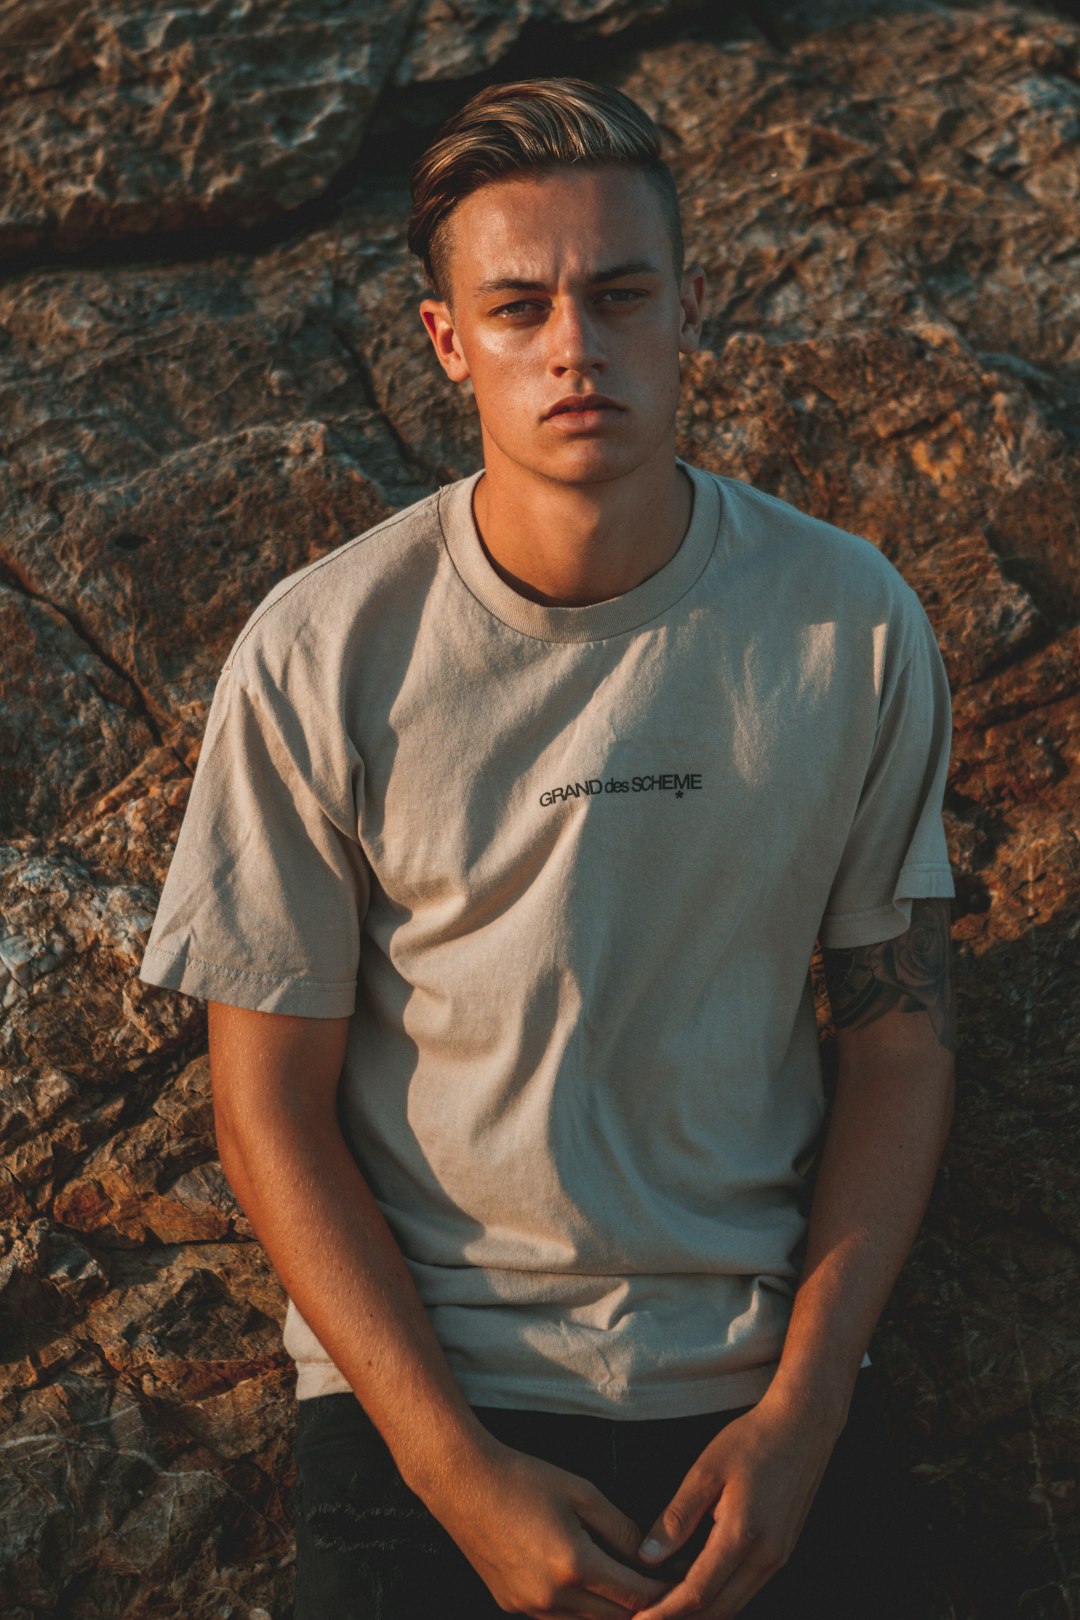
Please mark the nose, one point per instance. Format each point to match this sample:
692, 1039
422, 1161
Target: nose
575, 344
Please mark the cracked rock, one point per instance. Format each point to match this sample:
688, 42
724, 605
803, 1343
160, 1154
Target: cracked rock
66, 725
158, 1179
77, 943
120, 120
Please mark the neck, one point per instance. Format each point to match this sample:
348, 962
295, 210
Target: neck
568, 545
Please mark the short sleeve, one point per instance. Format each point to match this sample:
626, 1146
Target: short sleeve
895, 851
266, 894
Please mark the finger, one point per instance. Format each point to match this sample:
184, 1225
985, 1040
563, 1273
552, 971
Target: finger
614, 1528
600, 1573
603, 1580
695, 1496
722, 1560
607, 1611
591, 1607
736, 1593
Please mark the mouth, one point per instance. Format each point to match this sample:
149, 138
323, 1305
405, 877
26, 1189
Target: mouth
582, 405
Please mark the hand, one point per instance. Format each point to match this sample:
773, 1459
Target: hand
758, 1478
531, 1532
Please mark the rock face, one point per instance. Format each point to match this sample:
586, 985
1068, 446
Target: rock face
122, 120
885, 199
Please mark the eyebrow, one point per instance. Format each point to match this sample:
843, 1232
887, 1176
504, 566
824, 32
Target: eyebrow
615, 272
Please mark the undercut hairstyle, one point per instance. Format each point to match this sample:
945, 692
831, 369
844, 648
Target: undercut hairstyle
533, 126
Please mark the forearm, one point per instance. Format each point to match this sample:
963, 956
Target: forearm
890, 1118
760, 1474
333, 1251
534, 1533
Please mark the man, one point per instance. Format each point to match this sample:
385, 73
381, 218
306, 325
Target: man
515, 823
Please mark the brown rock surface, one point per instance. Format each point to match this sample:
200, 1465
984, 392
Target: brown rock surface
119, 120
887, 210
191, 431
454, 39
66, 726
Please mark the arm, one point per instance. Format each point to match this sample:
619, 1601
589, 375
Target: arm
893, 1009
523, 1524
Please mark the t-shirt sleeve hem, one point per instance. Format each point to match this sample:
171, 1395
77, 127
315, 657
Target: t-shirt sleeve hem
845, 930
246, 987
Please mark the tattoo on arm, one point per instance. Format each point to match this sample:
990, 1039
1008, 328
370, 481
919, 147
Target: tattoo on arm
912, 973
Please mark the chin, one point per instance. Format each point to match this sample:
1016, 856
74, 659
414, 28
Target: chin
605, 471
592, 461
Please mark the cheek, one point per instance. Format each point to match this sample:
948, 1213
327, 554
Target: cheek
499, 378
662, 374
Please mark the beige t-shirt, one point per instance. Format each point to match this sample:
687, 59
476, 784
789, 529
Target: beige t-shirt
564, 867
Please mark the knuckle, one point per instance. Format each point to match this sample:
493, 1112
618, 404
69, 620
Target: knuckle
566, 1572
545, 1592
676, 1518
625, 1599
773, 1552
546, 1596
747, 1536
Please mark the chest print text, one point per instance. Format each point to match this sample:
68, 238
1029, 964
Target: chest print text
668, 782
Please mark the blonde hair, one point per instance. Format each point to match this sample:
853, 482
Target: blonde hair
532, 125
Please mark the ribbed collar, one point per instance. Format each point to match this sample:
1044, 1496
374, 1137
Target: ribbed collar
596, 620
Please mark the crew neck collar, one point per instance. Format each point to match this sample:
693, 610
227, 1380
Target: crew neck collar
593, 621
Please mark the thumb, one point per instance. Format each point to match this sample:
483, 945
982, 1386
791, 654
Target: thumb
680, 1518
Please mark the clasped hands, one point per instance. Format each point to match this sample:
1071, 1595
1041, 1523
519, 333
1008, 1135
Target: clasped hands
550, 1546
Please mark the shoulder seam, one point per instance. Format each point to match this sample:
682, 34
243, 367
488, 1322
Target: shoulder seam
755, 492
313, 568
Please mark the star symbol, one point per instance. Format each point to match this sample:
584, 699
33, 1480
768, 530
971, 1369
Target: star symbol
678, 793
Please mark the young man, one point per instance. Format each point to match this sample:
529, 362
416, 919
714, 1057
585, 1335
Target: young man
514, 826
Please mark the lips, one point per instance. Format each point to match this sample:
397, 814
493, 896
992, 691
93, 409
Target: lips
578, 403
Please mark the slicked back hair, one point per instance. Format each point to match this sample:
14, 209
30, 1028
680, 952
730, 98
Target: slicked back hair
533, 126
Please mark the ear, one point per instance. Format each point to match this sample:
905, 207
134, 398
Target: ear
439, 321
692, 299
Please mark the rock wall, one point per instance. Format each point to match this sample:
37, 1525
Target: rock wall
211, 372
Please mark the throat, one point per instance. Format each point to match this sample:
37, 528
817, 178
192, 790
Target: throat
575, 553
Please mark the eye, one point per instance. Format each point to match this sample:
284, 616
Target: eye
520, 306
621, 295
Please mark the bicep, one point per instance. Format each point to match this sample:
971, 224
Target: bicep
909, 974
260, 1059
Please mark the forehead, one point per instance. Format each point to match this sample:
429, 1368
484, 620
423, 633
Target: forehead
544, 227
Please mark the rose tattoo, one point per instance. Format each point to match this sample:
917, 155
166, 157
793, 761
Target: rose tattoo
912, 972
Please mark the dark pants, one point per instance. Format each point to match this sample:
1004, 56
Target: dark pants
368, 1549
